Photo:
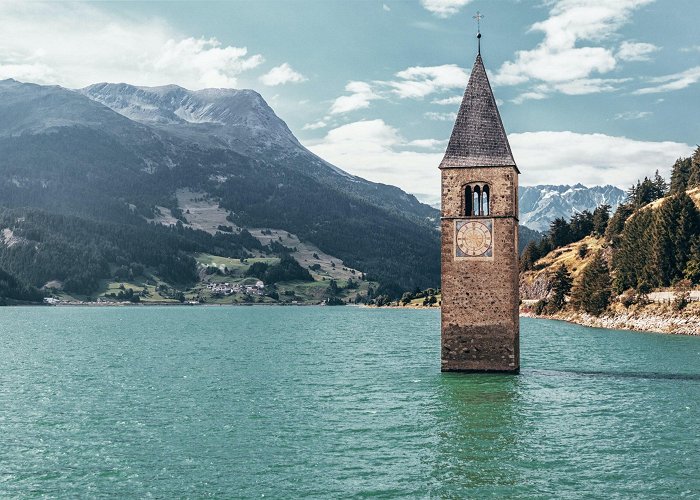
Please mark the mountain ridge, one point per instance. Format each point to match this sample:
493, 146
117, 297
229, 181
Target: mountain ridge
65, 152
261, 133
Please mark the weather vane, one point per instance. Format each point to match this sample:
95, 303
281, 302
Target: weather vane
479, 16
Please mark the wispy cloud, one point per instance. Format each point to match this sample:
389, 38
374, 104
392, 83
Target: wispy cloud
279, 75
46, 43
529, 96
636, 51
440, 117
676, 81
633, 115
449, 101
581, 86
588, 85
444, 8
315, 125
427, 143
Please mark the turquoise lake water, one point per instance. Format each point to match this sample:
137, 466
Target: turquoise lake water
278, 402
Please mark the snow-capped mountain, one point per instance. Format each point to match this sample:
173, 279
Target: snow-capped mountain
540, 205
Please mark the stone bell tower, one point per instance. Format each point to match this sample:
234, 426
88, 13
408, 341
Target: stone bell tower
480, 323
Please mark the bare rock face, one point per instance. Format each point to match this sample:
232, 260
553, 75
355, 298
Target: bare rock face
535, 288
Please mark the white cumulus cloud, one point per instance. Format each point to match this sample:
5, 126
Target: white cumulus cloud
560, 63
592, 159
376, 151
420, 81
75, 44
361, 93
415, 82
279, 75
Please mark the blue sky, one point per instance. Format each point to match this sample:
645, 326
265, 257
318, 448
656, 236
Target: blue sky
592, 91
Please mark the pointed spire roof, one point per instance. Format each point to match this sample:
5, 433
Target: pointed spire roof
478, 137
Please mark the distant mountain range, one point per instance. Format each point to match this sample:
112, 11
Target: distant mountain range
539, 205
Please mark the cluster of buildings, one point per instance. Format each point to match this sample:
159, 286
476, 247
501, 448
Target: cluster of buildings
229, 289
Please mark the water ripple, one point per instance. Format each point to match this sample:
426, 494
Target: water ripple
335, 402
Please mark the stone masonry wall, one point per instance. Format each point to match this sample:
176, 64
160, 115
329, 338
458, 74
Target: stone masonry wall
480, 323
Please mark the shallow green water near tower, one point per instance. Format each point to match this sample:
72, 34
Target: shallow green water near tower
335, 402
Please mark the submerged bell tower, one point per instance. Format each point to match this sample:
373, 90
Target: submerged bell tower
479, 223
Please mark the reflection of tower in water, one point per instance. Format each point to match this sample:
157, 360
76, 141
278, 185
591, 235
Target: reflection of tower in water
478, 425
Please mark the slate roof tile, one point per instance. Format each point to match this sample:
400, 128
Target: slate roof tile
478, 137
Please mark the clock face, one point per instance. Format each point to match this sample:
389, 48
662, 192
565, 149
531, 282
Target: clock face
473, 238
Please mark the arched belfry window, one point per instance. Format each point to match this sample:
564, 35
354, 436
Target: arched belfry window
468, 200
485, 200
477, 199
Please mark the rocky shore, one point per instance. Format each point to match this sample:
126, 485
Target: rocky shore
659, 319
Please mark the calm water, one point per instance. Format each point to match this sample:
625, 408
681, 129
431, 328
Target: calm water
335, 402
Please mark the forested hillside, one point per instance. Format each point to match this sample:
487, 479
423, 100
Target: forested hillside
12, 291
651, 242
78, 180
40, 247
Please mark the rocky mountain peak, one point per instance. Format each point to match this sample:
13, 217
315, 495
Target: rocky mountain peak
237, 118
539, 205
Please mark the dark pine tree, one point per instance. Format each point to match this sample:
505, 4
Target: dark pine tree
544, 247
632, 250
529, 256
692, 268
592, 294
661, 266
559, 232
617, 223
694, 177
645, 192
601, 216
680, 174
660, 185
580, 226
687, 231
561, 287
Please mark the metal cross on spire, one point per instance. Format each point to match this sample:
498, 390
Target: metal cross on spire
479, 16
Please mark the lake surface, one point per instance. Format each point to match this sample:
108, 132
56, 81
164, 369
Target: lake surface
335, 402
